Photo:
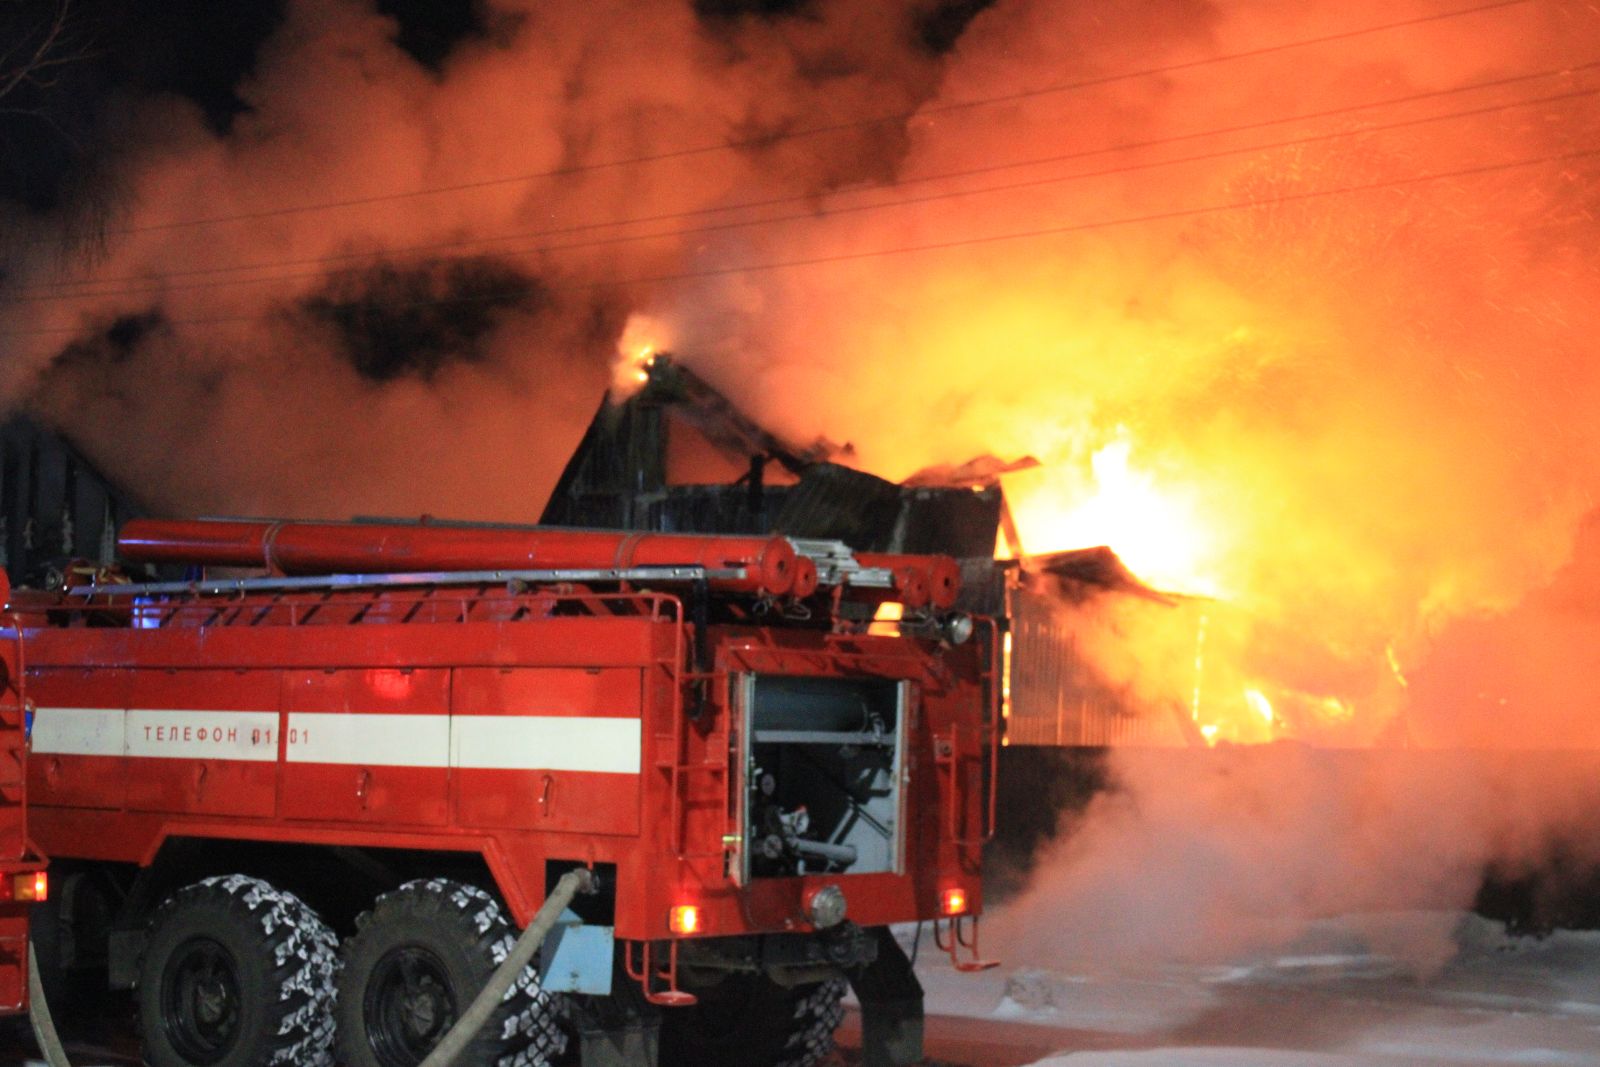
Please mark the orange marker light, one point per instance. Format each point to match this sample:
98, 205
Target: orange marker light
953, 901
33, 887
684, 919
39, 887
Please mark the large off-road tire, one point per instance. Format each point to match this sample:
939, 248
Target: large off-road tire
419, 958
750, 1021
237, 973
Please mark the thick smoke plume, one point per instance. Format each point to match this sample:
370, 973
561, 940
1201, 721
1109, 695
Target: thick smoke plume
1268, 365
1350, 416
439, 352
1335, 373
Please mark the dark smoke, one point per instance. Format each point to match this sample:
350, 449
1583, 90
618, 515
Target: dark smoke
396, 320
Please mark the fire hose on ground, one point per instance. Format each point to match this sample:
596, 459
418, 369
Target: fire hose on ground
44, 1027
449, 1047
472, 1020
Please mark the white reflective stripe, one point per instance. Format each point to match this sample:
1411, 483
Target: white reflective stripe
185, 734
78, 731
176, 733
546, 742
596, 744
369, 738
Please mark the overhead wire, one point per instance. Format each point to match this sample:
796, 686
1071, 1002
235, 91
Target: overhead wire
154, 282
934, 246
766, 140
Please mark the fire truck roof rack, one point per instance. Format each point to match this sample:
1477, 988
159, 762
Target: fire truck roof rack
225, 586
325, 554
837, 564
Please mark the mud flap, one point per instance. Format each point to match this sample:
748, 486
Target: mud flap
891, 1006
577, 957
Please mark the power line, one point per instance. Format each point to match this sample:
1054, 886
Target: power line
439, 246
900, 202
935, 246
837, 127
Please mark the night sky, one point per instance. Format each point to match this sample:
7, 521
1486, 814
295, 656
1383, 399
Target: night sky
53, 136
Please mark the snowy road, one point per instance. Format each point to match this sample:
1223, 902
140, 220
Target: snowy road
1335, 1000
1345, 993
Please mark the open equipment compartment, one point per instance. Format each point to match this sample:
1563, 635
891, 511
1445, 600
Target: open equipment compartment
821, 780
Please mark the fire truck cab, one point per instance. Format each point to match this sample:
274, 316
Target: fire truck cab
318, 796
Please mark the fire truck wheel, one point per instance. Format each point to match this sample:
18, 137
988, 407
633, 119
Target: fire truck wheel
751, 1021
237, 973
419, 957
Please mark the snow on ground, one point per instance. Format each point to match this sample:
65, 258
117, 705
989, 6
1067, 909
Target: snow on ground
1347, 992
1416, 989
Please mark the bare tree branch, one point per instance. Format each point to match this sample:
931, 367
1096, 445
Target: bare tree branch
48, 52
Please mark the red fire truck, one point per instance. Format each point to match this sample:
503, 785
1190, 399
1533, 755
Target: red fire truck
22, 876
316, 783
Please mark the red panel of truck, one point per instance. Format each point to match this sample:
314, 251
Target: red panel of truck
549, 748
368, 744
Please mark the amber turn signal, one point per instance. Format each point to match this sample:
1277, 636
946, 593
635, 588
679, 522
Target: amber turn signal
953, 901
684, 919
33, 887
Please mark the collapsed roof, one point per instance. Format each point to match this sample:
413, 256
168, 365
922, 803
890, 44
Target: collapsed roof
623, 475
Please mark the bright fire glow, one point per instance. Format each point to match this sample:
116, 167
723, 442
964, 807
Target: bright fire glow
1169, 525
886, 620
1160, 532
1259, 704
643, 339
1336, 371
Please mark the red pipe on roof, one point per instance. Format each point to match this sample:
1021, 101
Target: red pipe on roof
770, 563
919, 580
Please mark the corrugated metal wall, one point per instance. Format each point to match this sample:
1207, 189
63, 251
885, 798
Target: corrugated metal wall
53, 505
1057, 698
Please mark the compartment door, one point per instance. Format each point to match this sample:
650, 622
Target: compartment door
79, 754
367, 745
202, 741
548, 748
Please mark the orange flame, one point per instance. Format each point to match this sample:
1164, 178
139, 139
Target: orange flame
1163, 536
1157, 519
643, 339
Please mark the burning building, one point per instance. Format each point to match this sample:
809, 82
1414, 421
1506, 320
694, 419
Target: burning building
1293, 303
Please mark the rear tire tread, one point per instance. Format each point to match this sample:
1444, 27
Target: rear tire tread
817, 1015
529, 1029
303, 966
747, 1020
